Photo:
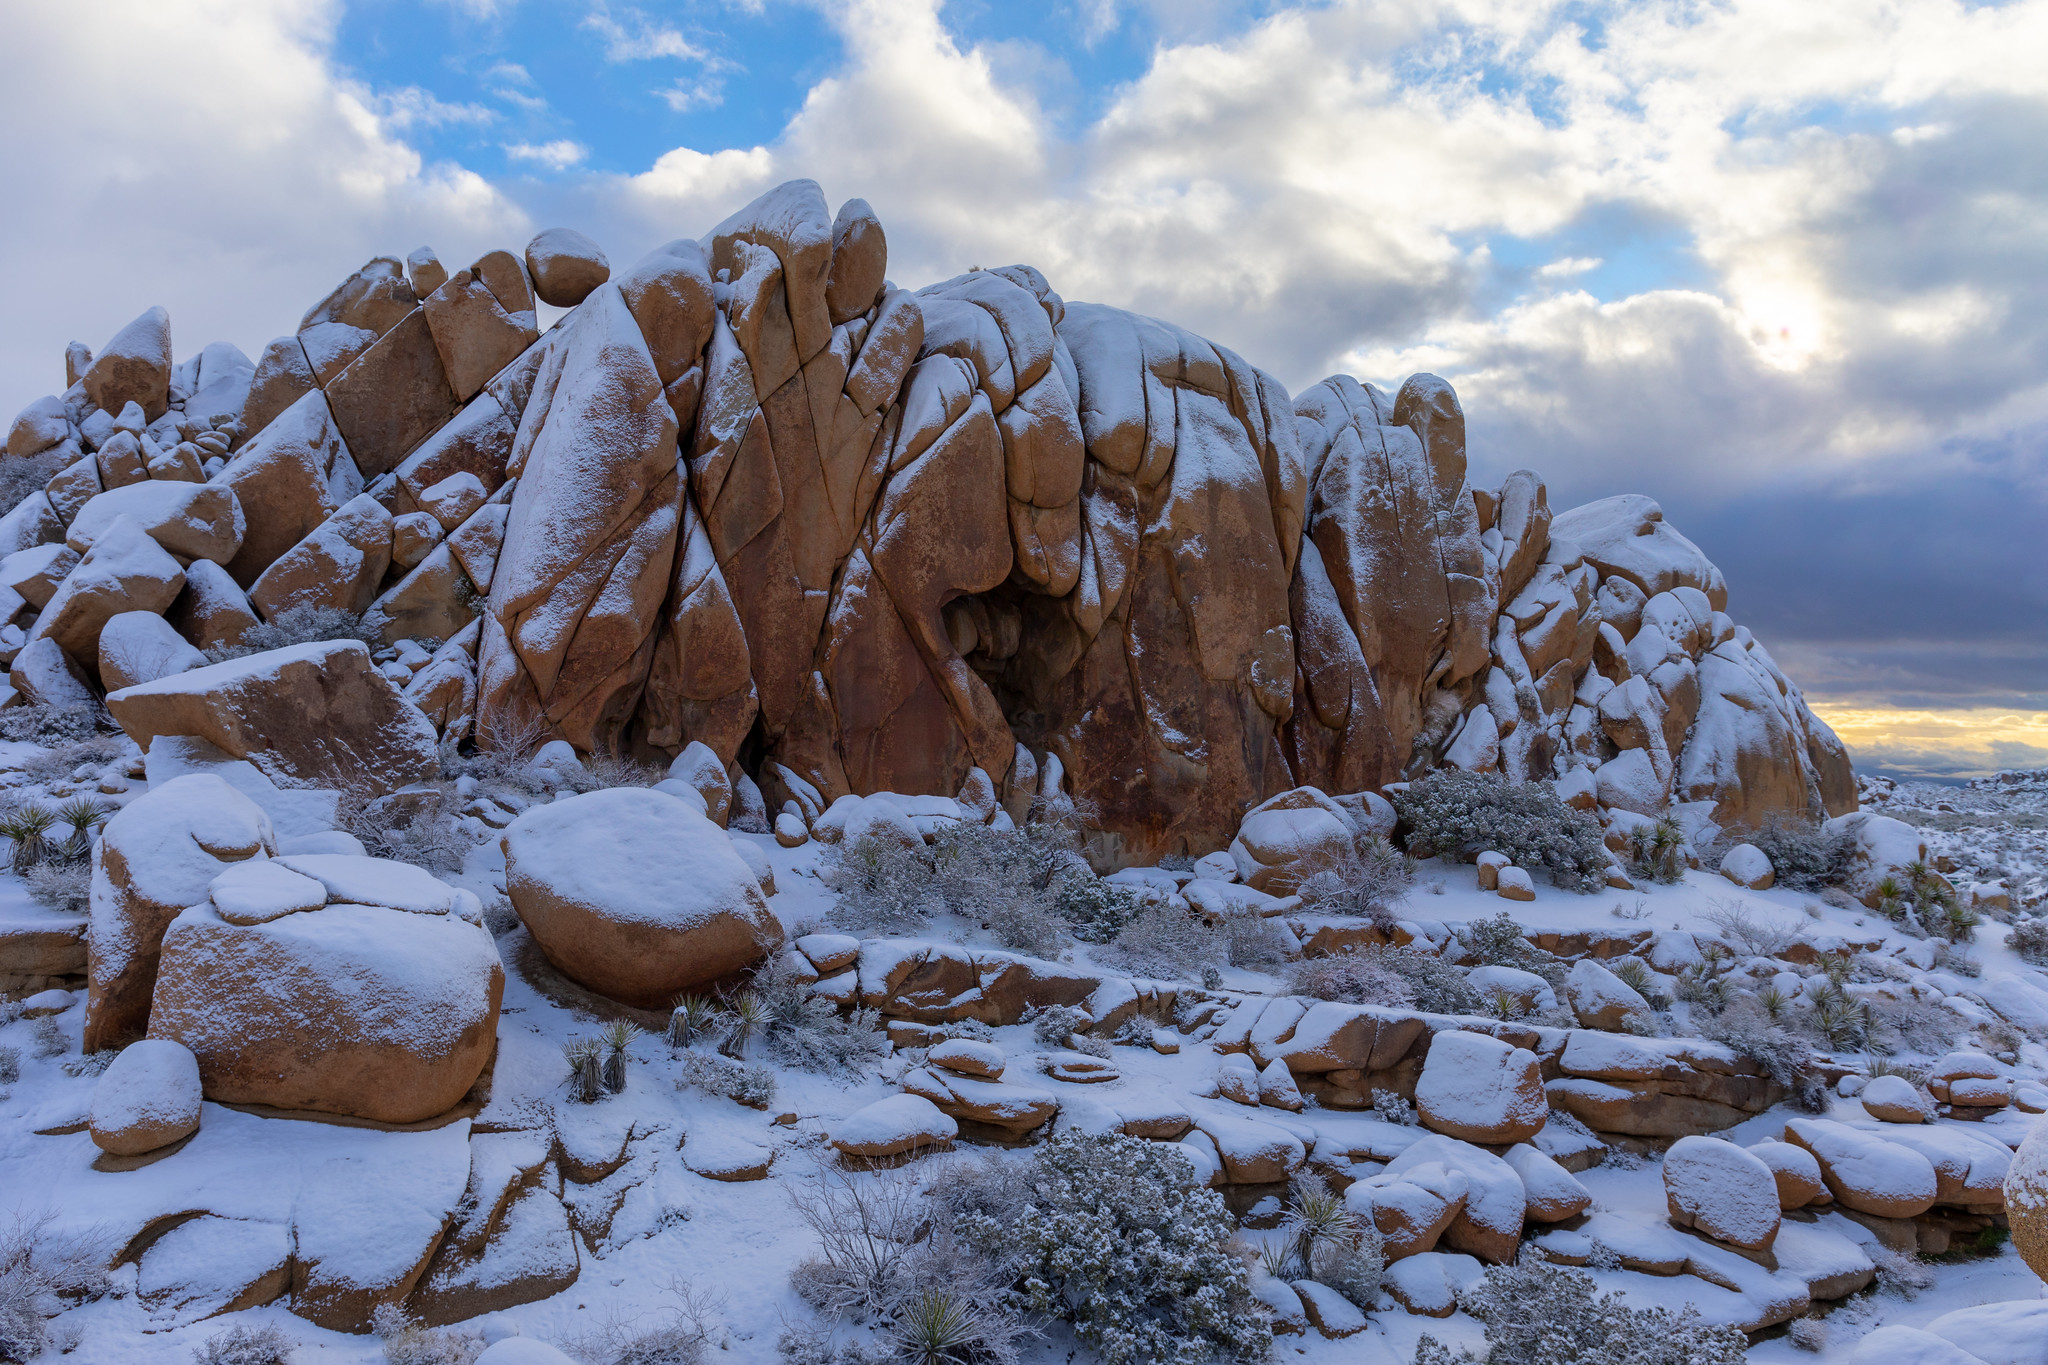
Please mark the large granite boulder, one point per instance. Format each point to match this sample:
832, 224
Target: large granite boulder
636, 895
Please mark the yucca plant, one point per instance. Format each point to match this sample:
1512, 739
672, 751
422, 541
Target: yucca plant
1958, 922
1276, 1259
1503, 1003
1774, 1001
618, 1036
28, 825
937, 1326
1634, 973
691, 1016
745, 1015
1319, 1225
85, 815
586, 1069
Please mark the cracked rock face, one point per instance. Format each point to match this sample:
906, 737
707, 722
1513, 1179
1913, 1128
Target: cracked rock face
850, 538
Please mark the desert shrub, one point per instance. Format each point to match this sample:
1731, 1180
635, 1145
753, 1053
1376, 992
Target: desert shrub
54, 727
300, 625
1805, 855
1055, 1024
1356, 977
1439, 987
1913, 1026
2029, 938
1112, 1235
808, 1032
26, 826
1365, 884
432, 839
884, 887
677, 1334
43, 1272
1749, 933
1251, 940
1389, 1107
1900, 1273
1809, 1334
406, 1342
21, 475
812, 1343
1166, 941
1536, 1313
244, 1344
867, 1227
65, 886
753, 1086
49, 1036
1747, 1027
1497, 941
10, 1065
1459, 814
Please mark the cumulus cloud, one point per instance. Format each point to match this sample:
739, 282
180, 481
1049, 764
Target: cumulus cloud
558, 155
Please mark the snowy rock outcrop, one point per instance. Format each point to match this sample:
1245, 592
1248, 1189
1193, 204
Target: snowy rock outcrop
748, 488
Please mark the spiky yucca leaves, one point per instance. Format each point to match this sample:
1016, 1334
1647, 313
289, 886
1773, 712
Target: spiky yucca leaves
692, 1015
28, 825
1774, 1001
586, 1069
618, 1036
936, 1326
85, 815
745, 1015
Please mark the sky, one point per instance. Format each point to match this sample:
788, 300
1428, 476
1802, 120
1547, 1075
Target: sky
1780, 264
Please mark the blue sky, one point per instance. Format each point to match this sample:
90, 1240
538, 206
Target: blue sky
1778, 263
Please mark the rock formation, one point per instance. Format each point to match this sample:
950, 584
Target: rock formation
848, 538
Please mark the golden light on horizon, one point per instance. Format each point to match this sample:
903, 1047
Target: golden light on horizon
1967, 740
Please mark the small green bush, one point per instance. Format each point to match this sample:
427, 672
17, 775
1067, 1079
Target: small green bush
1456, 814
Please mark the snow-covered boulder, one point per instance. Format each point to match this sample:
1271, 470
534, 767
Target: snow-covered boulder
1602, 1000
1554, 1193
191, 520
157, 855
894, 1126
1747, 865
1411, 1209
317, 713
1288, 837
1898, 1345
1894, 1099
1796, 1172
635, 895
2014, 1332
381, 1003
148, 1098
139, 647
1883, 846
968, 1057
134, 367
1716, 1188
1866, 1173
699, 766
522, 1351
2026, 1199
1480, 1089
1529, 991
1489, 1225
123, 571
1514, 884
565, 266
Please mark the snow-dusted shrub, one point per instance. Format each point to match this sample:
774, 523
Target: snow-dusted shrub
1809, 1334
65, 886
1366, 884
49, 1036
1537, 1313
245, 1345
300, 625
406, 1342
1913, 1026
429, 839
1457, 814
884, 887
1112, 1234
10, 1065
1900, 1273
1656, 851
808, 1032
2029, 938
1326, 1242
676, 1335
53, 727
1250, 940
1389, 1107
753, 1086
42, 1273
1061, 1026
1805, 855
1750, 933
1166, 941
21, 475
867, 1228
1357, 976
1747, 1027
811, 1343
26, 826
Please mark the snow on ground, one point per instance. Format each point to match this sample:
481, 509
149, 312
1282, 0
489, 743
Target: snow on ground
739, 1241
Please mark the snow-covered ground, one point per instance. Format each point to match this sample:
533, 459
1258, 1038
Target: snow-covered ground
737, 1242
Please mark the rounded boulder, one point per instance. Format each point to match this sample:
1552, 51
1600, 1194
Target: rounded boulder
2026, 1199
149, 1098
566, 266
1718, 1189
636, 895
1480, 1089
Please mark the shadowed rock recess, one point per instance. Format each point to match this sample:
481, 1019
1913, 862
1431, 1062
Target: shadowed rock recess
855, 538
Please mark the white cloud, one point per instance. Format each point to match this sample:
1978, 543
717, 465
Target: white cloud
1569, 266
410, 107
643, 41
683, 96
558, 155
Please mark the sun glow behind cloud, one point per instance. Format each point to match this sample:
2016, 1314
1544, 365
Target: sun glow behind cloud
1966, 742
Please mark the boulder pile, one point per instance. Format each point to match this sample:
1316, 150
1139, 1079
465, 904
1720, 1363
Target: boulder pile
971, 541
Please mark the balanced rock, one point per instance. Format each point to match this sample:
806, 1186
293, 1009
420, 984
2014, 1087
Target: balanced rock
157, 855
566, 266
1716, 1188
636, 895
383, 1012
318, 713
1480, 1089
148, 1098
